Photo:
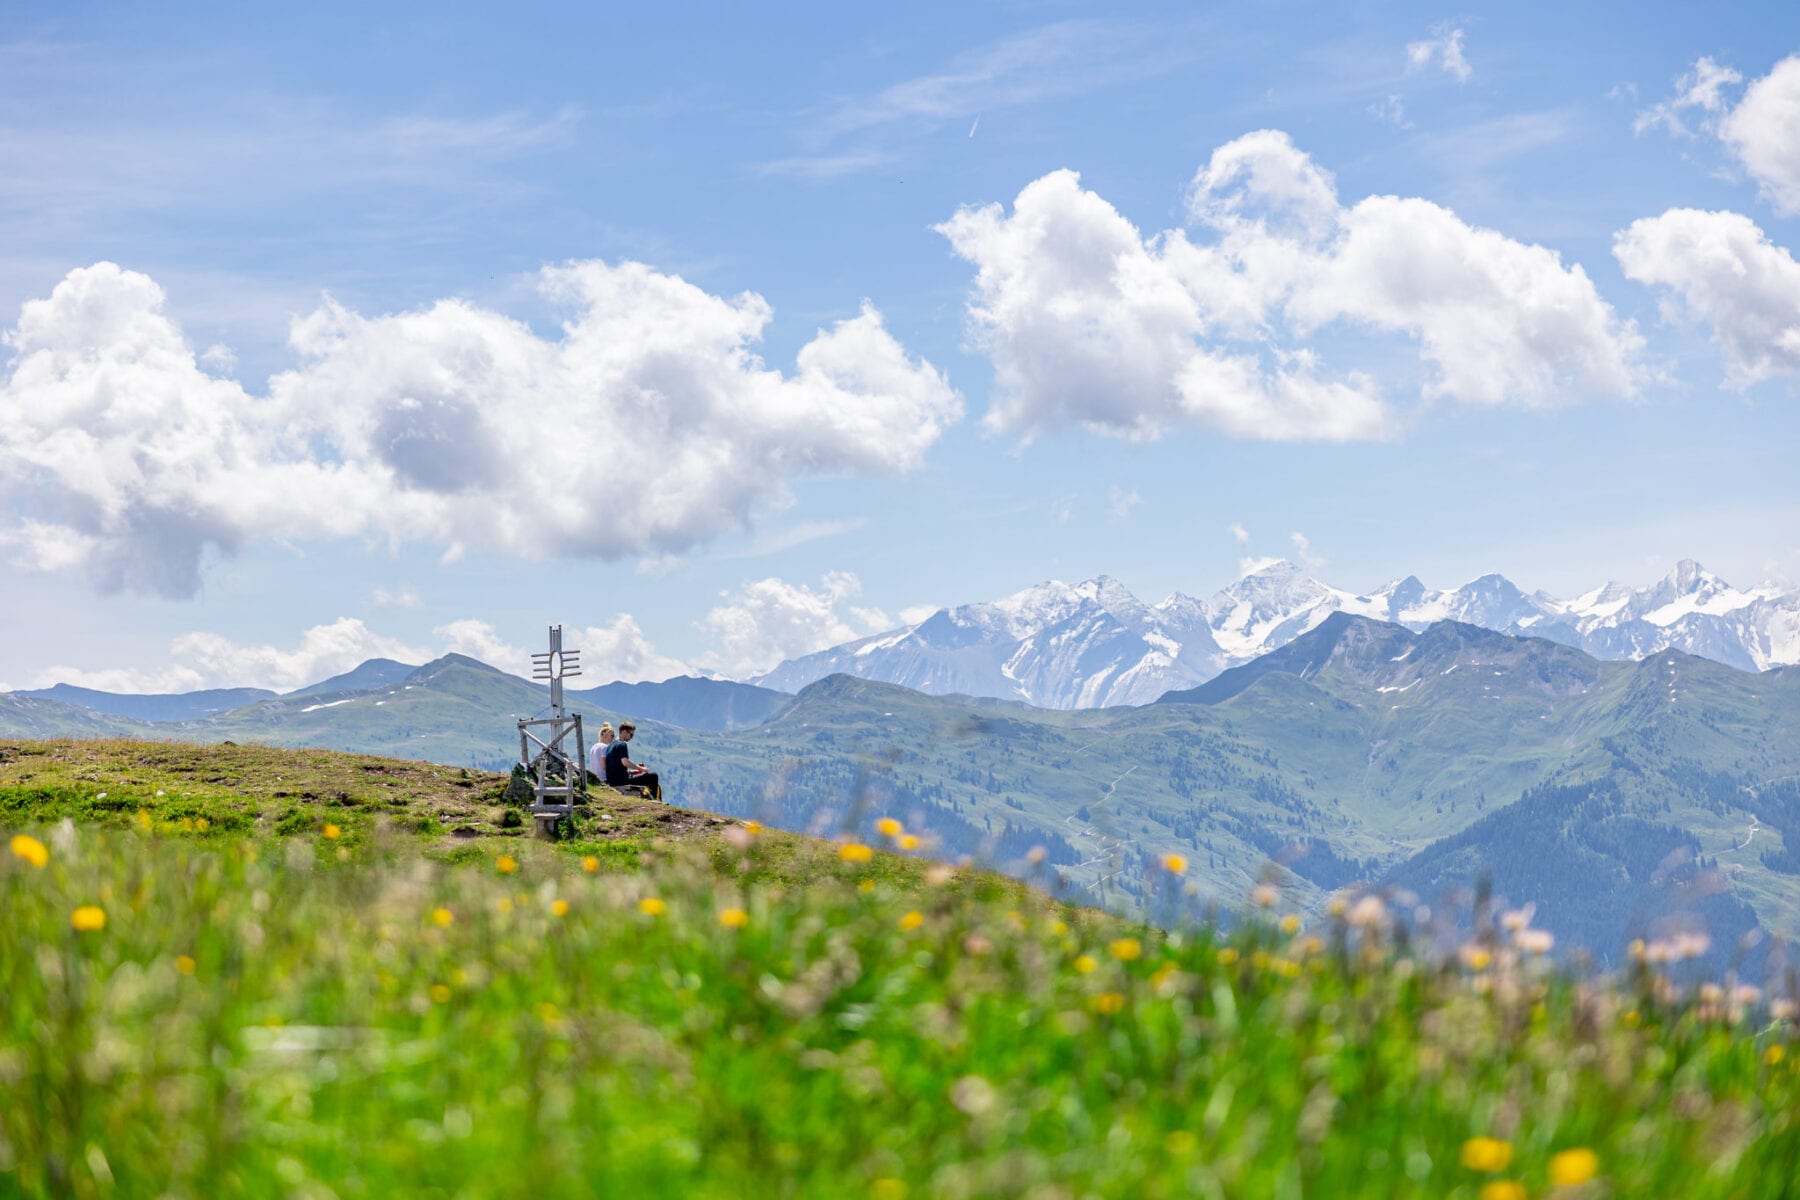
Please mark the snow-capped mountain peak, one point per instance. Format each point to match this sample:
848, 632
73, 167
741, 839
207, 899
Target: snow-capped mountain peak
1054, 644
1094, 643
1271, 606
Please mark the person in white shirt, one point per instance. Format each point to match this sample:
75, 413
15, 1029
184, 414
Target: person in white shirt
596, 762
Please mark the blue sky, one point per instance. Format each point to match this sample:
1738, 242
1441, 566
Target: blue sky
1391, 289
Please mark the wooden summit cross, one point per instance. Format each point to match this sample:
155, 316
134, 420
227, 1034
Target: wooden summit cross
556, 777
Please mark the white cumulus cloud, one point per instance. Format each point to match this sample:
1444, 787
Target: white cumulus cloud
323, 651
1089, 322
768, 621
1721, 268
479, 639
174, 678
1763, 132
120, 452
209, 660
1760, 129
620, 651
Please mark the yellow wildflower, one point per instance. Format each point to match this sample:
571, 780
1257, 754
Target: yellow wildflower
1486, 1154
1109, 1003
1502, 1189
185, 964
1175, 864
753, 827
1290, 923
650, 906
590, 864
1774, 1054
30, 849
1571, 1167
912, 920
866, 886
441, 917
889, 827
733, 918
1126, 949
88, 918
507, 864
440, 994
1476, 958
559, 908
1228, 956
855, 852
909, 842
332, 832
504, 904
888, 1188
1085, 963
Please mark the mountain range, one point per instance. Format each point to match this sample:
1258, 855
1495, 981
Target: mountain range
1094, 644
1623, 798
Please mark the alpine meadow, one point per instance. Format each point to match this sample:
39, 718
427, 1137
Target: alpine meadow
1023, 601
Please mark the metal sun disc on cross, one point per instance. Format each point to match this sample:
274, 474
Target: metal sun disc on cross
556, 665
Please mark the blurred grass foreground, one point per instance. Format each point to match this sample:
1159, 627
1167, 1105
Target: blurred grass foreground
200, 1013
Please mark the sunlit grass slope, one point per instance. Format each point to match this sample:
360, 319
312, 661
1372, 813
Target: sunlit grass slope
243, 1012
368, 805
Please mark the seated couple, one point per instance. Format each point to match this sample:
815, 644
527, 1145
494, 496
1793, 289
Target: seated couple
609, 761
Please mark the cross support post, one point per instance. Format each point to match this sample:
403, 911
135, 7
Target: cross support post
557, 777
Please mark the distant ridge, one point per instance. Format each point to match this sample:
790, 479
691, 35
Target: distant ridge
161, 706
1300, 657
690, 701
376, 672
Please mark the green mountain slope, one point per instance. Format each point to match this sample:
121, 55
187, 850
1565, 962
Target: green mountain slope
1356, 750
22, 715
688, 701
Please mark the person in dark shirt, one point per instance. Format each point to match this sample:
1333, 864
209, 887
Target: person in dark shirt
621, 771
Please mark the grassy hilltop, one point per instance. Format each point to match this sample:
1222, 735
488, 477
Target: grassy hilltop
236, 971
1660, 792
